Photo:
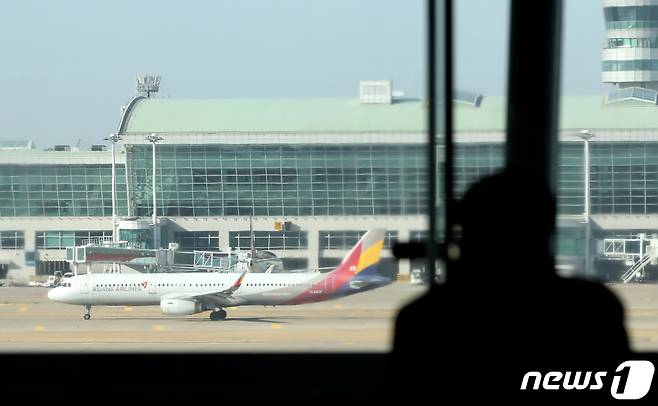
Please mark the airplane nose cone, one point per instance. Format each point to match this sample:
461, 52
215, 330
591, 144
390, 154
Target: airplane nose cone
53, 294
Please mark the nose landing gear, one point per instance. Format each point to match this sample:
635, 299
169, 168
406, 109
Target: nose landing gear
218, 314
87, 315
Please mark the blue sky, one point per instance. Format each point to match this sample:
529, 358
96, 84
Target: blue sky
69, 65
482, 43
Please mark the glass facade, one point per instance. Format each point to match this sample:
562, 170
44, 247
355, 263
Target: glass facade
631, 13
137, 238
630, 65
619, 18
623, 175
63, 239
60, 190
12, 240
311, 180
346, 239
475, 161
622, 25
198, 240
281, 180
633, 42
570, 197
269, 240
624, 178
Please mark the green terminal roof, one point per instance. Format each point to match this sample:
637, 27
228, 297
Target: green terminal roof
576, 112
349, 115
273, 115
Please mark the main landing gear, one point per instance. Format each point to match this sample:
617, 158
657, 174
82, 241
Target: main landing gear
87, 315
218, 314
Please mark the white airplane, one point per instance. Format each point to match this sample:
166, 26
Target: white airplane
189, 293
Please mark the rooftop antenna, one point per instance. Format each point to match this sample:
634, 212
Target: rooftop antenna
148, 84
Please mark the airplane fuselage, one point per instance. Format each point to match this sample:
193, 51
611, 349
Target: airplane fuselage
190, 293
149, 289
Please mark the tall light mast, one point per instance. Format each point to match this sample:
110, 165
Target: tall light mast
586, 136
153, 139
114, 138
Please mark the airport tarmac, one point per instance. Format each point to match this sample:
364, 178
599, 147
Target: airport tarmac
29, 322
364, 322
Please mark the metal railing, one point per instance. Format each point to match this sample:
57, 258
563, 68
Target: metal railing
105, 240
638, 252
636, 268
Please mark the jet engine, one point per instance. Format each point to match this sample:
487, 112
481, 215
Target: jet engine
180, 307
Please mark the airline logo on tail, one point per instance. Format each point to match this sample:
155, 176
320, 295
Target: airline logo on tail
371, 251
364, 257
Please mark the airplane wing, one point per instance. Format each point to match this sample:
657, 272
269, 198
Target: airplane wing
217, 298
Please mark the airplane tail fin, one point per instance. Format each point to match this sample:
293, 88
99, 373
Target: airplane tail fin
364, 258
357, 272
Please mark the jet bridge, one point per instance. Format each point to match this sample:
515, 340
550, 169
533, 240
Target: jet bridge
114, 255
637, 252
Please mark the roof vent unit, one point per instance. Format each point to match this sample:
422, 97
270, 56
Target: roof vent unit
466, 97
375, 92
62, 148
5, 145
99, 147
632, 94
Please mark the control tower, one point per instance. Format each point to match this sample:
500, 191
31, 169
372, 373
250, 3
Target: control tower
630, 56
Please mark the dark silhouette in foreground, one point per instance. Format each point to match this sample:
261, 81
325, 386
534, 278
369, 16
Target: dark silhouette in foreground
503, 311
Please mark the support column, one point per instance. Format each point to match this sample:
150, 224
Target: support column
223, 238
313, 247
25, 272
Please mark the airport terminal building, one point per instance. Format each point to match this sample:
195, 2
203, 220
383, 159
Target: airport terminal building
312, 175
327, 170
